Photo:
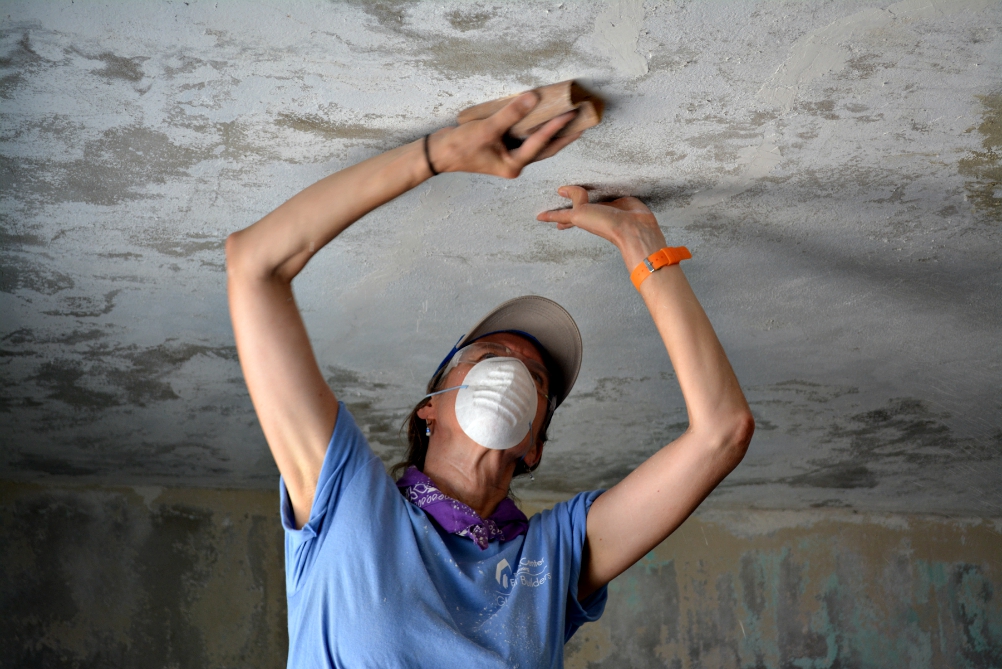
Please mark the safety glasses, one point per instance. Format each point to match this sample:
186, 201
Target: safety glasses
479, 351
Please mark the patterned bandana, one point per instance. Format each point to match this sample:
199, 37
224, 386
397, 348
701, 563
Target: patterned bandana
506, 523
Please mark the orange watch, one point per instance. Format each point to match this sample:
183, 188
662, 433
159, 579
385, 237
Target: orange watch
669, 255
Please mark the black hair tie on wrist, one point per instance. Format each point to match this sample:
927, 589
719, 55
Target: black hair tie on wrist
427, 156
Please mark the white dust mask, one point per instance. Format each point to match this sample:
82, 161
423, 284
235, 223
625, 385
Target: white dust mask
497, 402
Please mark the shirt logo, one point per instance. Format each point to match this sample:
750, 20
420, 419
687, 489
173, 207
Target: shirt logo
533, 573
530, 573
501, 574
527, 574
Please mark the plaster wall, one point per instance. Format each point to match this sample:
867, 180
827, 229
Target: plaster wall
180, 577
834, 167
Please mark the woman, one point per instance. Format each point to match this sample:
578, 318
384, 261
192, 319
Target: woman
449, 574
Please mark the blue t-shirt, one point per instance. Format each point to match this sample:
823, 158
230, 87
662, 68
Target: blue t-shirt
373, 582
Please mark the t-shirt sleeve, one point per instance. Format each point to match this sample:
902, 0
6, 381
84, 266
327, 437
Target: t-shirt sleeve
572, 517
347, 453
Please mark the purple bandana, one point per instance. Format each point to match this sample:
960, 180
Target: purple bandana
506, 523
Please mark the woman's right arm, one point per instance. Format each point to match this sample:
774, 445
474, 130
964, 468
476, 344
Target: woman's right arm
639, 512
296, 408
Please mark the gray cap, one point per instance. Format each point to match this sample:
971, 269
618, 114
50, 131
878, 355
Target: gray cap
541, 319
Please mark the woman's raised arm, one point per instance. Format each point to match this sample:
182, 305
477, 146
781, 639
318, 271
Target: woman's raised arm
638, 513
296, 408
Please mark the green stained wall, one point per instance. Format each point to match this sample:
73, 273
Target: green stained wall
150, 577
810, 590
96, 577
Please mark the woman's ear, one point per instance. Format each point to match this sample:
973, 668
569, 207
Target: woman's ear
535, 454
427, 412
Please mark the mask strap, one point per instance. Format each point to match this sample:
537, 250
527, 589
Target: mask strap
445, 390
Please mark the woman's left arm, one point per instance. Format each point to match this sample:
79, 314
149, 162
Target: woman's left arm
295, 406
639, 512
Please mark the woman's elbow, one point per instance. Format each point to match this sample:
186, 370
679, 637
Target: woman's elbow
731, 436
738, 436
243, 263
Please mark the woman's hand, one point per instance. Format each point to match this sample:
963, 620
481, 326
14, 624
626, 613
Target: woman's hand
626, 222
478, 146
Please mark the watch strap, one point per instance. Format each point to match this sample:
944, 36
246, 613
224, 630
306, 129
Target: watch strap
670, 255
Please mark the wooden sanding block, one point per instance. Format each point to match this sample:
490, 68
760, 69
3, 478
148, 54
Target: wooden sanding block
554, 100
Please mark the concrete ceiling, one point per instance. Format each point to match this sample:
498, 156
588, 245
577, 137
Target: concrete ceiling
834, 167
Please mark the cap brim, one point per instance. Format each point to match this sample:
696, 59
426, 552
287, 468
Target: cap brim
548, 323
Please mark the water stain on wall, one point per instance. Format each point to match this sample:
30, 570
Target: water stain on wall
503, 54
983, 169
104, 577
843, 475
176, 244
465, 20
459, 57
319, 125
18, 273
65, 381
550, 252
17, 63
904, 429
97, 380
114, 168
98, 577
840, 591
82, 306
120, 67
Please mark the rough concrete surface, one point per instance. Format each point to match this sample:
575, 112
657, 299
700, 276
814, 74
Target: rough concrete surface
821, 590
154, 577
834, 167
148, 577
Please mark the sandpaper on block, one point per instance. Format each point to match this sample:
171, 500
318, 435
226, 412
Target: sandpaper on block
554, 100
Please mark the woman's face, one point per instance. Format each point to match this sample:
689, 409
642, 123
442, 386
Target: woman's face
440, 412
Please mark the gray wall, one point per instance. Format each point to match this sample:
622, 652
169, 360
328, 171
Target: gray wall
150, 577
95, 577
834, 166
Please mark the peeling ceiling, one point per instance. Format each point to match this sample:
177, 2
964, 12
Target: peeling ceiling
834, 167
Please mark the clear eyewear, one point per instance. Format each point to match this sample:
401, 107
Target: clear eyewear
480, 351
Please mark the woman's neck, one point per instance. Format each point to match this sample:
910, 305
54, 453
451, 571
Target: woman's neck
478, 480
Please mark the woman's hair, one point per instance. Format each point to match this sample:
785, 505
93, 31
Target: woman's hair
417, 436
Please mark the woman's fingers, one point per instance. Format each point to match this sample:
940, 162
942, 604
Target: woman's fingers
565, 217
512, 113
535, 143
555, 216
576, 194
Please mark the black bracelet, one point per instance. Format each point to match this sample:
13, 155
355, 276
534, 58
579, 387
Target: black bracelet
427, 156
